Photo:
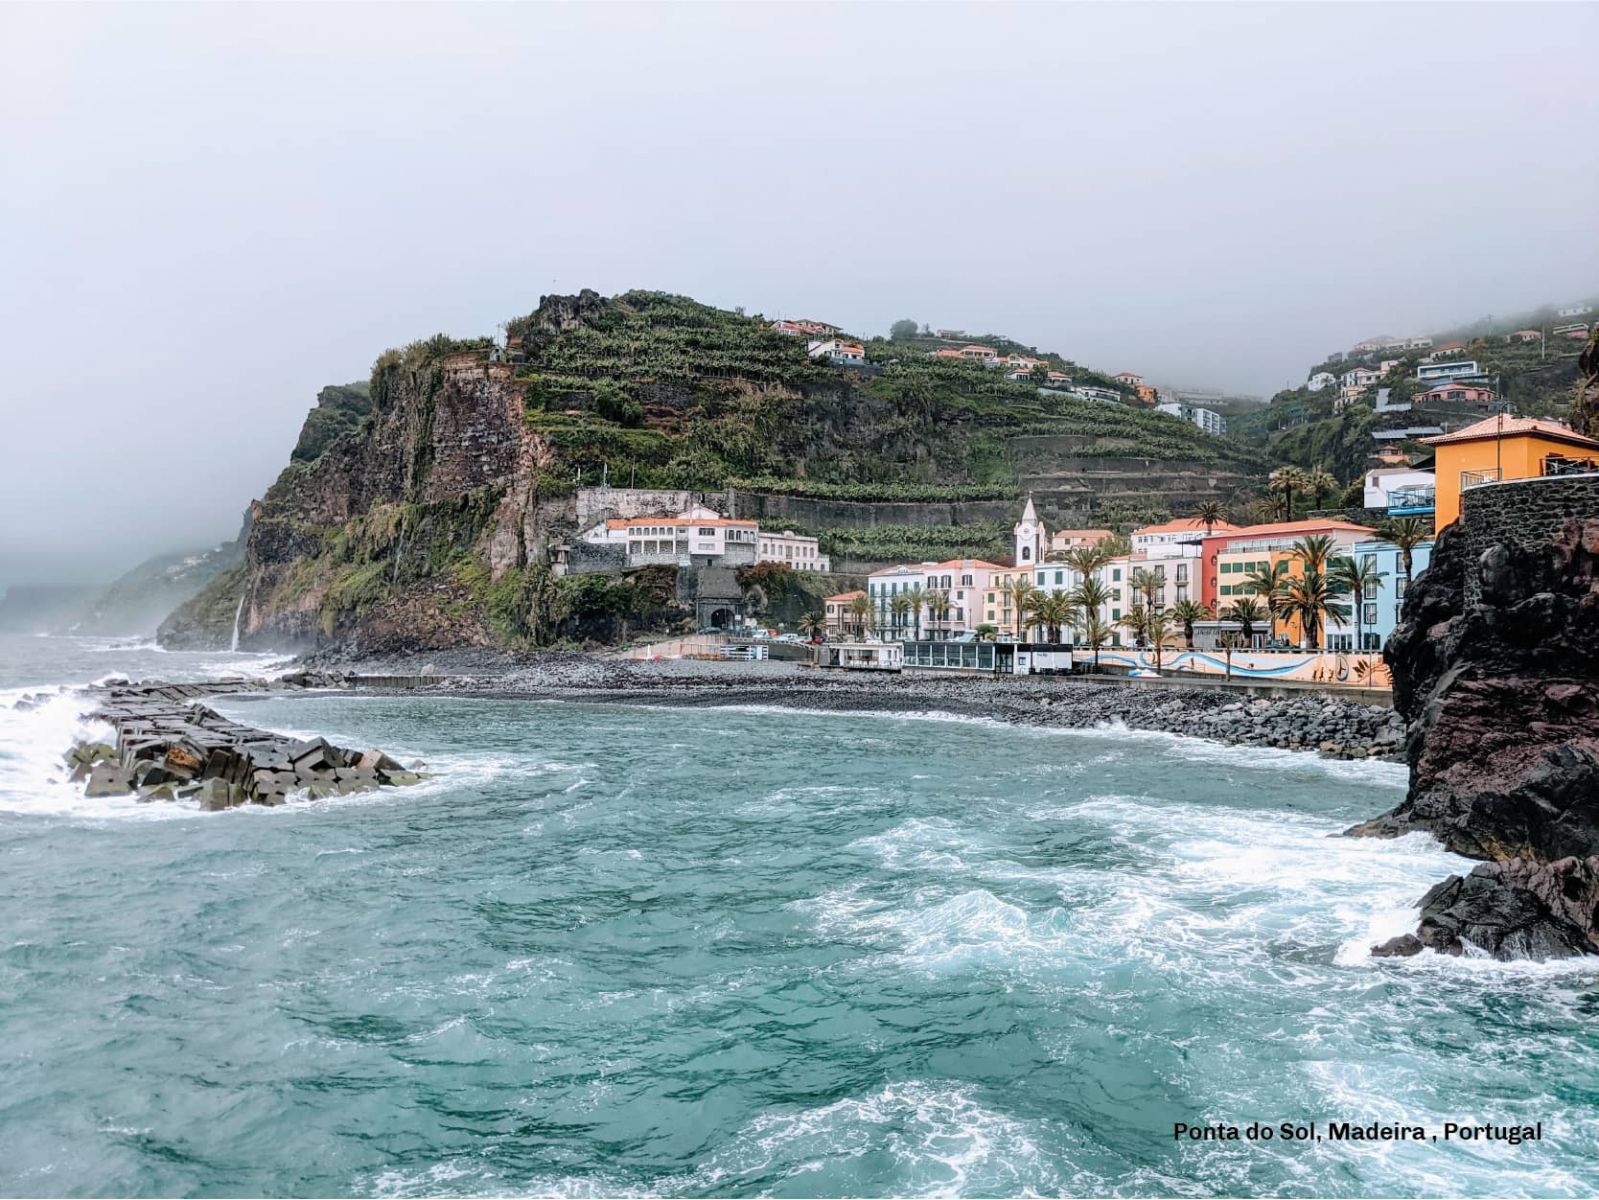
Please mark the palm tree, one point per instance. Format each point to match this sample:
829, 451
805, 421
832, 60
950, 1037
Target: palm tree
898, 607
1136, 622
1246, 611
1056, 610
1314, 551
937, 602
1317, 484
1267, 583
1085, 560
1090, 597
1359, 579
1313, 596
1158, 628
1095, 632
860, 608
1407, 533
1185, 613
814, 625
1023, 593
1284, 481
1146, 584
1209, 513
918, 600
1229, 642
986, 632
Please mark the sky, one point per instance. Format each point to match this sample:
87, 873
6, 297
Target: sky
207, 212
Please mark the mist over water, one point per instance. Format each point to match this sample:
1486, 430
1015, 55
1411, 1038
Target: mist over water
618, 950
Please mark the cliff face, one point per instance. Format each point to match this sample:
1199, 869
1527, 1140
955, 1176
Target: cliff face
371, 540
1496, 671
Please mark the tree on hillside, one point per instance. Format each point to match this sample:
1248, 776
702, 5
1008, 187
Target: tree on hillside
1318, 483
902, 331
1285, 481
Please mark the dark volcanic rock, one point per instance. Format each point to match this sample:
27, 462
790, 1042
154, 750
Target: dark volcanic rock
1502, 699
1514, 909
1496, 672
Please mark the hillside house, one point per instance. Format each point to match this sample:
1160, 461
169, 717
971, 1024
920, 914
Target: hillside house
1526, 335
1207, 420
975, 353
1503, 447
1360, 377
806, 329
1446, 350
1438, 372
836, 351
792, 550
1577, 331
1453, 392
1320, 381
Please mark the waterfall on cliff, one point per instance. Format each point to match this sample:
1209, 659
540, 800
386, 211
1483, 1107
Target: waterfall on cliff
237, 613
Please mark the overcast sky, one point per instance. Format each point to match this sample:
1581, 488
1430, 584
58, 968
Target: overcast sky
209, 211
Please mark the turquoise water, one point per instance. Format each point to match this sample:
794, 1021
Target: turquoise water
620, 950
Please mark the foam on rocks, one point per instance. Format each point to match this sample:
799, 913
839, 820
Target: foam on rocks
170, 746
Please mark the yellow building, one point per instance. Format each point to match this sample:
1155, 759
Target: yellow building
1504, 447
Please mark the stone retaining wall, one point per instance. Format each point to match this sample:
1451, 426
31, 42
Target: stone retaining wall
1526, 513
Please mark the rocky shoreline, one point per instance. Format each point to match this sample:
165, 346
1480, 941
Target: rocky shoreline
1315, 722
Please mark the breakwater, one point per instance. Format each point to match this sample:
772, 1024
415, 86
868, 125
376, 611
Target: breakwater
171, 746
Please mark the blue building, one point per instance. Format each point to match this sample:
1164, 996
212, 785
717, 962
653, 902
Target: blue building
1380, 613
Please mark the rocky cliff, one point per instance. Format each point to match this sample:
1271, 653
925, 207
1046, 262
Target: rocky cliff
1496, 671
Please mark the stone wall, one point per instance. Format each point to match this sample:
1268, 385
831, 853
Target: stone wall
597, 504
807, 512
1526, 513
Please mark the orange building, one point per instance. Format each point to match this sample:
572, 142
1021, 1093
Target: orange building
1503, 447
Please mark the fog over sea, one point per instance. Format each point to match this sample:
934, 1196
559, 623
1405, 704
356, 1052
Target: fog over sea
615, 950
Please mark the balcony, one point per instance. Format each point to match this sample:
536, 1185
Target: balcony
1471, 479
1411, 501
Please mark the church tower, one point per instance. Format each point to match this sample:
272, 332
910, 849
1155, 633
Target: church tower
1030, 537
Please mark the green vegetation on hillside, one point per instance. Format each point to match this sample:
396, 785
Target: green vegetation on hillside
919, 543
340, 408
660, 391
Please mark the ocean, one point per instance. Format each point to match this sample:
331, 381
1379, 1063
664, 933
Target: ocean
615, 950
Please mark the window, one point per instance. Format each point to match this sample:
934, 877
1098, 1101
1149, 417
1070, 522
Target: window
1116, 575
1060, 577
991, 600
1369, 613
1115, 614
710, 533
1027, 553
1041, 575
1182, 573
1401, 585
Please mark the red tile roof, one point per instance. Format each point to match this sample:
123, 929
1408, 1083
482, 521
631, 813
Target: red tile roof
1182, 525
1492, 427
1306, 525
